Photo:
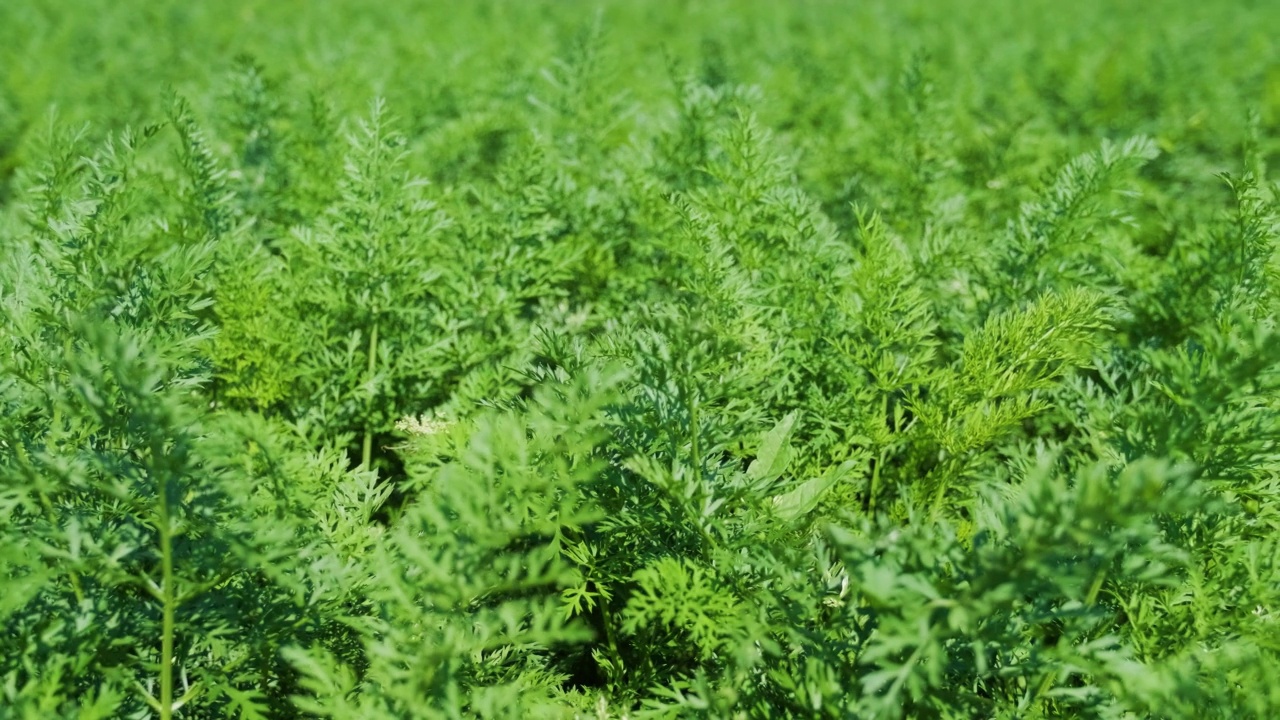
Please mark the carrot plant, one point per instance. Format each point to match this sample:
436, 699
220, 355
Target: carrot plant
639, 360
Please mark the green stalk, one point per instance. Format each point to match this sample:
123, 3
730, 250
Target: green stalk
950, 469
696, 452
168, 600
1045, 683
1096, 586
875, 472
875, 485
607, 617
880, 463
693, 426
366, 456
938, 498
1090, 598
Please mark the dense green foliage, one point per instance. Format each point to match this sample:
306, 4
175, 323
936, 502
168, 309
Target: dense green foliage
726, 359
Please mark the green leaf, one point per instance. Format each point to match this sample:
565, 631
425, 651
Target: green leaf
774, 454
797, 503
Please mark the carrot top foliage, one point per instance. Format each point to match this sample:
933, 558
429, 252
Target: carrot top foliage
728, 359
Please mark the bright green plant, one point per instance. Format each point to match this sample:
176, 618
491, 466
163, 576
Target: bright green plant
736, 359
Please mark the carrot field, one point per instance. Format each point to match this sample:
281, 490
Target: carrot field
634, 359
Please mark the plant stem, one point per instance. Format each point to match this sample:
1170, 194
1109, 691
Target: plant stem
944, 483
607, 619
875, 485
366, 455
1092, 596
1045, 683
169, 599
697, 468
693, 429
875, 471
